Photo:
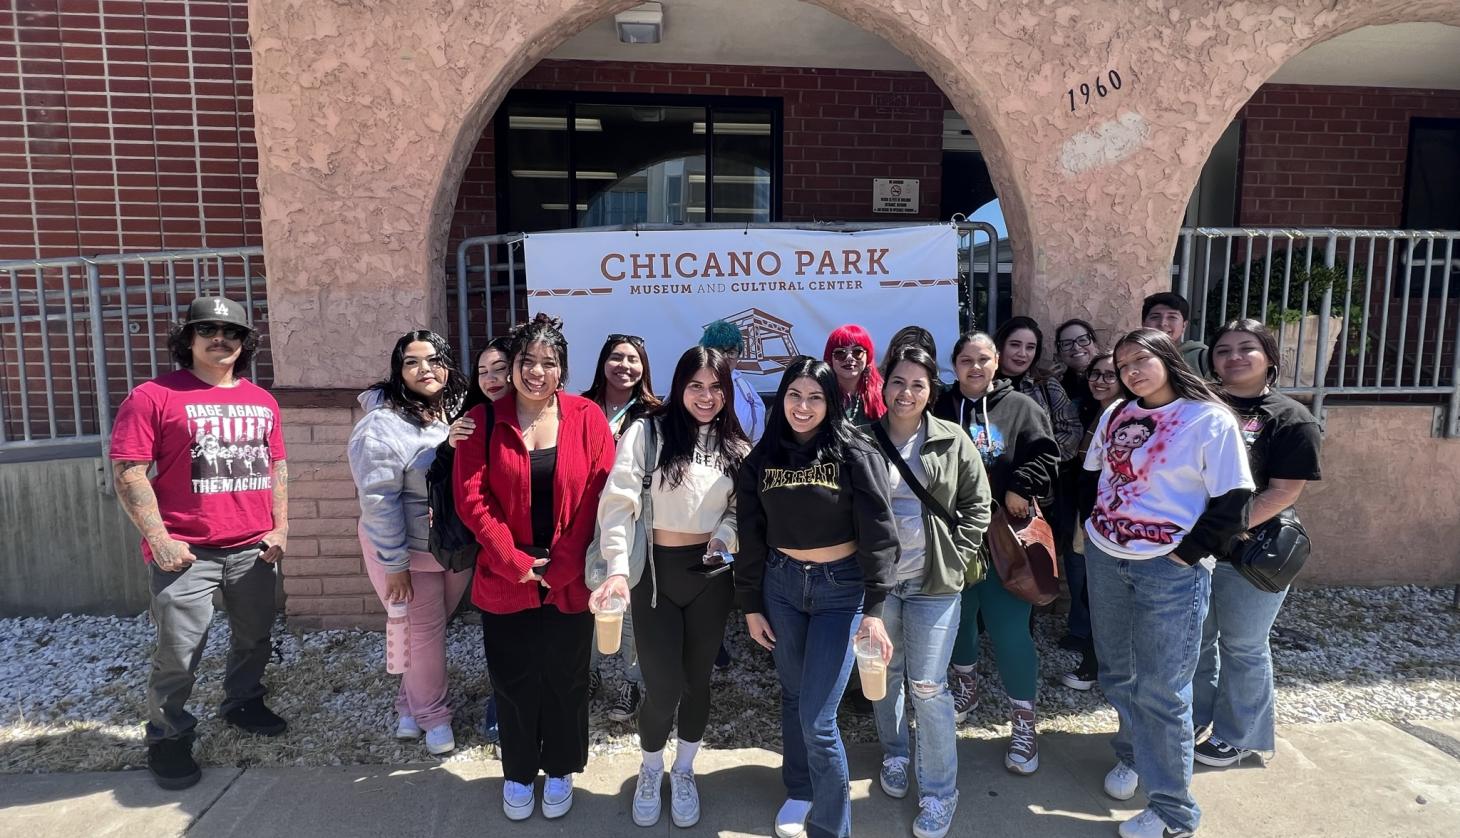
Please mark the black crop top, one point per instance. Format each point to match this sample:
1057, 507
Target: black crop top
800, 504
544, 465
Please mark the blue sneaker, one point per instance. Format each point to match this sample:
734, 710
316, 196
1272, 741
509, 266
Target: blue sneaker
488, 727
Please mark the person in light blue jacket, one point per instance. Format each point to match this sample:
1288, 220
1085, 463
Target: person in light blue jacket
390, 449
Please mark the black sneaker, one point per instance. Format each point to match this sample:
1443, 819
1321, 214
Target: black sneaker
256, 718
172, 766
855, 702
626, 703
1071, 643
595, 683
1084, 676
722, 660
1219, 754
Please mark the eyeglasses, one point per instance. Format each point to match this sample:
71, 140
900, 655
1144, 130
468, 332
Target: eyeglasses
1105, 377
207, 330
844, 352
1081, 341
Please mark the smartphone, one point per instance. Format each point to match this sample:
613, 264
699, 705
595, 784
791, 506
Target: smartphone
714, 564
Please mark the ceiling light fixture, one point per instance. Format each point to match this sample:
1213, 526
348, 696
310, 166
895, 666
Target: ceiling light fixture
643, 24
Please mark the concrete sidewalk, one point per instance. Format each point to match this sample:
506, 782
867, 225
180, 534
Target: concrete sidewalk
1364, 779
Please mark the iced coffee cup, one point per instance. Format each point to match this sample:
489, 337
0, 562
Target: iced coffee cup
608, 623
871, 668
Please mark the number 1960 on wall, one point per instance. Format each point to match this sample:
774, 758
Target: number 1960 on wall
1100, 89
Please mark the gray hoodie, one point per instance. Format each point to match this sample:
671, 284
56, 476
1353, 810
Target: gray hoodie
389, 456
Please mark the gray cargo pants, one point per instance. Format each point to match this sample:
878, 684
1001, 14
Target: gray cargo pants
182, 608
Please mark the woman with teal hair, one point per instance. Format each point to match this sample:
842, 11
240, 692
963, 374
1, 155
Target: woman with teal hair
749, 407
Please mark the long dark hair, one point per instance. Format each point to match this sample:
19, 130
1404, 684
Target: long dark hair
680, 433
835, 434
542, 328
912, 353
180, 344
1265, 338
474, 393
410, 404
1012, 325
1186, 384
643, 390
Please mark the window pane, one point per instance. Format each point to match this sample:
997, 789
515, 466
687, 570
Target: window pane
537, 164
743, 148
642, 164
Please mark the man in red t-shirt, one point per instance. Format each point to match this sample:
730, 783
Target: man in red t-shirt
209, 522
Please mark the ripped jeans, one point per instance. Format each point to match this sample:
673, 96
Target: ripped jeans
922, 629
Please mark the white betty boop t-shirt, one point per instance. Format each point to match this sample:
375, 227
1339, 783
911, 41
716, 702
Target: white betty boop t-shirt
1158, 469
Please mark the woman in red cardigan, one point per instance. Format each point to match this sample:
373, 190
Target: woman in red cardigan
533, 509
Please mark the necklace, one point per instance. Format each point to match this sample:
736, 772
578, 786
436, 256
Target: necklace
550, 408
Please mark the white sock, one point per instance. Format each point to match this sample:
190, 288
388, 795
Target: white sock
654, 759
684, 755
793, 811
1022, 705
958, 667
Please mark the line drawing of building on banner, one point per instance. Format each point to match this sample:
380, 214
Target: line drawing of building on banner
769, 345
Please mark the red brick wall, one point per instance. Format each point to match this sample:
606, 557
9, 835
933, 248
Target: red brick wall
841, 129
1330, 156
127, 126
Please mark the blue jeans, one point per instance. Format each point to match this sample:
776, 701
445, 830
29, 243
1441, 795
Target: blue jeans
922, 629
1233, 687
814, 610
1147, 617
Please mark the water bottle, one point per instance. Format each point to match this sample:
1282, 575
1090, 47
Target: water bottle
397, 638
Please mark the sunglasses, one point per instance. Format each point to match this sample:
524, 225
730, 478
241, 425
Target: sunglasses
1100, 375
845, 352
1081, 341
207, 330
618, 338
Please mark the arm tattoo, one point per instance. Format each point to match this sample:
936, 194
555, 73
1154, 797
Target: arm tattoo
138, 500
281, 494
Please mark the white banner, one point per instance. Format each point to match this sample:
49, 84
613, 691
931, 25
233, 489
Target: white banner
786, 290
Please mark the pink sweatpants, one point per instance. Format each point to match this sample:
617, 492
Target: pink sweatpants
435, 593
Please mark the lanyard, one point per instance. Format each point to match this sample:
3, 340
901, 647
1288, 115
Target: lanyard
619, 415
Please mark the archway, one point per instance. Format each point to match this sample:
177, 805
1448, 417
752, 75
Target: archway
802, 110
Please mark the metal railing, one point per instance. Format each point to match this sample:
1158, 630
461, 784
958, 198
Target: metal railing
490, 269
1362, 313
78, 333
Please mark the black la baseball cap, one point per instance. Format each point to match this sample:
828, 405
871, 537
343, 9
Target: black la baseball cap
217, 310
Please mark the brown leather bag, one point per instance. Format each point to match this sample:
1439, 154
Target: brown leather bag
1022, 550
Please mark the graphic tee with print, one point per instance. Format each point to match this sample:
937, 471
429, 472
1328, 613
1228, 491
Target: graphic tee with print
1158, 469
214, 448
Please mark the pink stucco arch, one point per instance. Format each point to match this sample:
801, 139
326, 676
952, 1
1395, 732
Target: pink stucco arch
366, 113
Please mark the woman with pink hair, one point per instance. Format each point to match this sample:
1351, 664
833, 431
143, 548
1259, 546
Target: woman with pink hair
850, 353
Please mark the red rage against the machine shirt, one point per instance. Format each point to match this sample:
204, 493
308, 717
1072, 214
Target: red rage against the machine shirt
214, 448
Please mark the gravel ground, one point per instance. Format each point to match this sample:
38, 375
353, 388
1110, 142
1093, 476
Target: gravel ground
72, 688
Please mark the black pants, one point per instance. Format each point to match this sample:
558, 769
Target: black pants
539, 673
677, 643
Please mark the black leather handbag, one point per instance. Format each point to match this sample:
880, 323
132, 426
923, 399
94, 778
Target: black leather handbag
1273, 554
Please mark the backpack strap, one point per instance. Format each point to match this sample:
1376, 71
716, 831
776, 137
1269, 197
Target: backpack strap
890, 451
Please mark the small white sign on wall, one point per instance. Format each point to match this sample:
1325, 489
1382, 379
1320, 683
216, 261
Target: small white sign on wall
895, 195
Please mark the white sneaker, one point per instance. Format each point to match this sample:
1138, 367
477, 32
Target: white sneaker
407, 728
1148, 824
439, 740
517, 800
1120, 782
557, 796
646, 796
791, 820
684, 799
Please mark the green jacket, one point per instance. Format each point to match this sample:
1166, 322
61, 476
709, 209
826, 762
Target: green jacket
957, 480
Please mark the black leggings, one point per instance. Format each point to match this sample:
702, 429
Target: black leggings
677, 643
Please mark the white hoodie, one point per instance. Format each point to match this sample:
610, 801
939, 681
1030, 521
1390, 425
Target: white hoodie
389, 456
